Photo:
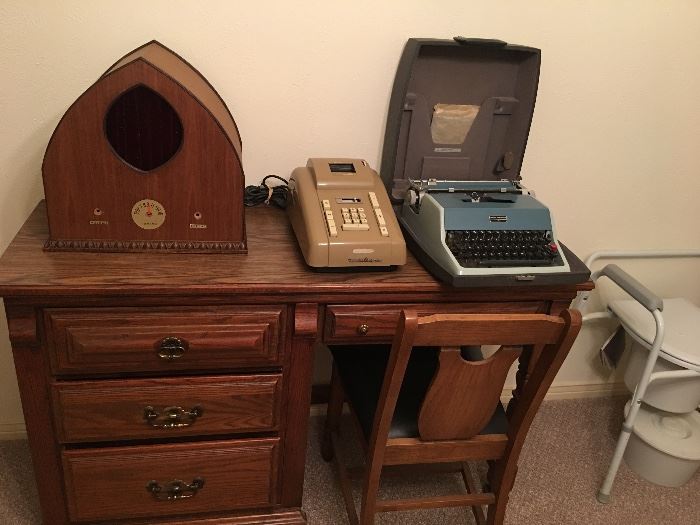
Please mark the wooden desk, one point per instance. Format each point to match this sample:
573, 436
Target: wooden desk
104, 343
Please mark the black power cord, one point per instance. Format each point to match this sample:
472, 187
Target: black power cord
275, 195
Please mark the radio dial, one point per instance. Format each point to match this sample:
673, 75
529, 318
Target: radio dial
148, 214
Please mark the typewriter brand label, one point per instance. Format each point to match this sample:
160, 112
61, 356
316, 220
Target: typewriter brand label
99, 222
448, 150
198, 226
498, 218
363, 260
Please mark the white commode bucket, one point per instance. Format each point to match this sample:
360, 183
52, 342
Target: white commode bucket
664, 448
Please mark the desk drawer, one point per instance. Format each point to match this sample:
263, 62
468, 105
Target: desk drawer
377, 323
113, 410
109, 340
117, 483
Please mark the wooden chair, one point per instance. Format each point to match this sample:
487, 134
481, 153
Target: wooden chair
430, 398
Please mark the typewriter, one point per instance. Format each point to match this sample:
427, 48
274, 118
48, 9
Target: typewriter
459, 118
481, 228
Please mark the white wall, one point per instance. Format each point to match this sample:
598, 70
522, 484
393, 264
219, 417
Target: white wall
612, 148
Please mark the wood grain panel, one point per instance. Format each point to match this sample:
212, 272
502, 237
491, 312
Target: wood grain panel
129, 339
463, 394
343, 322
274, 265
405, 451
272, 516
111, 483
82, 172
31, 367
298, 374
486, 329
115, 409
22, 325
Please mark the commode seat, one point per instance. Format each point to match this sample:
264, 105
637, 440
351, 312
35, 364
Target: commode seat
680, 350
681, 344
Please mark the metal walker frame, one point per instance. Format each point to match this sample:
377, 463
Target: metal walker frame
654, 305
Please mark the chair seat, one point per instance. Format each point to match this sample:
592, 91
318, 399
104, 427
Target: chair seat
361, 369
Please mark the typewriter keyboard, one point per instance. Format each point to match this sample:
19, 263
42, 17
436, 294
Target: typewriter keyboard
501, 248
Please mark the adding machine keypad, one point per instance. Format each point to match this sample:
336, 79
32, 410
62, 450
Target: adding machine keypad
355, 218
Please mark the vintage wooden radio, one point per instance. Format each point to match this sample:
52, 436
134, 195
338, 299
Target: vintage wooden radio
148, 158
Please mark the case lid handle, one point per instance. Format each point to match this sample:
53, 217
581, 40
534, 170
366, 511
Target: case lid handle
464, 41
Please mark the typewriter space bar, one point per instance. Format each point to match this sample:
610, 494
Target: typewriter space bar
515, 262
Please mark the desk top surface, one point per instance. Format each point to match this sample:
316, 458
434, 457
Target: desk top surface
274, 265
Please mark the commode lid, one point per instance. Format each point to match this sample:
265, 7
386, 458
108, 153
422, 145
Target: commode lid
460, 110
677, 435
681, 343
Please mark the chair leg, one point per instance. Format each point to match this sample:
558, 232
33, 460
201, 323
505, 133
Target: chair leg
469, 483
370, 490
502, 483
333, 415
344, 482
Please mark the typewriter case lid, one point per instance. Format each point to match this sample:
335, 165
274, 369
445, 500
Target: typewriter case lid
460, 110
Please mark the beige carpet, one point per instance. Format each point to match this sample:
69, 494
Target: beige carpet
562, 464
18, 498
564, 459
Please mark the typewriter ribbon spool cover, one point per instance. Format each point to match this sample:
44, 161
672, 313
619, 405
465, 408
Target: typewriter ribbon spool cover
148, 158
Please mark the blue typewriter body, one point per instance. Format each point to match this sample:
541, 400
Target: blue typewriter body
482, 229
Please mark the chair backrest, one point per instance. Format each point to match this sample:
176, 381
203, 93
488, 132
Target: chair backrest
463, 394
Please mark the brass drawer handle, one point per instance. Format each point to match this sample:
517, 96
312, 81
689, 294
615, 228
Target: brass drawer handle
172, 417
363, 329
175, 489
170, 348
